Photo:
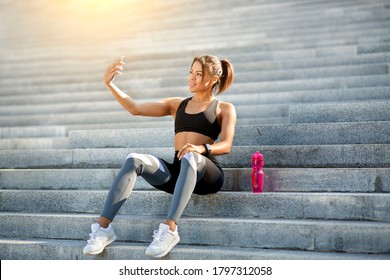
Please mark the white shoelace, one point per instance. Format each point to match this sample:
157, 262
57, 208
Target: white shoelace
159, 235
92, 237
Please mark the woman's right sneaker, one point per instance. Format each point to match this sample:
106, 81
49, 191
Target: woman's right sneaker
99, 239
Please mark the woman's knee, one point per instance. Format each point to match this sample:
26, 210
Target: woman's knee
191, 158
134, 161
133, 156
149, 167
195, 160
141, 158
189, 155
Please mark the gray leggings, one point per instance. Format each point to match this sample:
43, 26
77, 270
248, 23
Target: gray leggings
193, 172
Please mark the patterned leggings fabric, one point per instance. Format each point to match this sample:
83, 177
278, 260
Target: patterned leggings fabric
194, 173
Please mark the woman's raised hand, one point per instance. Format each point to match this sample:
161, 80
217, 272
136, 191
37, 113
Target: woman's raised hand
113, 70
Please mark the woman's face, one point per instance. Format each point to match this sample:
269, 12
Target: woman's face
199, 81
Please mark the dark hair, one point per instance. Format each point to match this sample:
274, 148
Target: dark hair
215, 67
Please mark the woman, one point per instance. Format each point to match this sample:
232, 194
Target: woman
199, 121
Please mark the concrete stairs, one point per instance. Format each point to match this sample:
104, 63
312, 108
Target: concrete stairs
312, 93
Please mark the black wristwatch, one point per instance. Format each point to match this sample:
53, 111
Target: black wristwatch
207, 149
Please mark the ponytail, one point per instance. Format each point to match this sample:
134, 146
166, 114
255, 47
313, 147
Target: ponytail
227, 76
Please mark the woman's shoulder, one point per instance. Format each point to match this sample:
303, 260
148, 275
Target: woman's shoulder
172, 100
225, 106
225, 110
173, 103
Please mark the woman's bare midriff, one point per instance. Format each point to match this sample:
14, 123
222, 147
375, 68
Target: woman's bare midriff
182, 138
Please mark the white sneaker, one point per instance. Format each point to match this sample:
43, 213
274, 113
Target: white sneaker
163, 241
99, 239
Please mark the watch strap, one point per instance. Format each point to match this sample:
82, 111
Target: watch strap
207, 149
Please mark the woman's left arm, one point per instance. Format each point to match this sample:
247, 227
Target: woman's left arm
228, 124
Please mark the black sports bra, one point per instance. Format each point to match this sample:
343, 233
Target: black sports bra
205, 122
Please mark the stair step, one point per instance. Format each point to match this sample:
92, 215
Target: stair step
314, 96
74, 118
34, 143
29, 132
329, 206
312, 235
341, 112
153, 88
319, 60
52, 249
298, 113
245, 135
107, 107
278, 43
365, 180
118, 114
65, 102
240, 77
370, 33
309, 156
283, 61
351, 32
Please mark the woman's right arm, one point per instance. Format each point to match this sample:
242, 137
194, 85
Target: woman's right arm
164, 107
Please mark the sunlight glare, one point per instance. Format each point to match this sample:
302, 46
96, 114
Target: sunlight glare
97, 20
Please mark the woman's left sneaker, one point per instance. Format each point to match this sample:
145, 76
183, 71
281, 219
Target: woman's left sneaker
163, 241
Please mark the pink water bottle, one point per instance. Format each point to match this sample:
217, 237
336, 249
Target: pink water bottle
257, 172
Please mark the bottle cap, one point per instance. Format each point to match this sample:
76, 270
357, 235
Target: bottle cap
258, 155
